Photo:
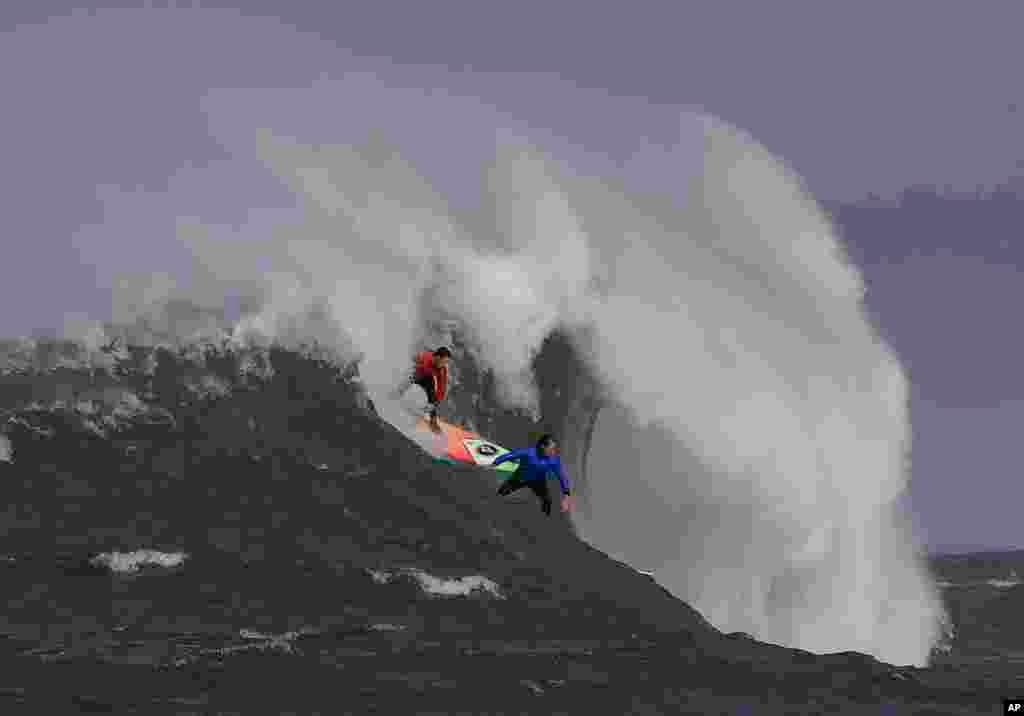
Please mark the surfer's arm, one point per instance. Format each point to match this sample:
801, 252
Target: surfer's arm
516, 454
440, 385
563, 480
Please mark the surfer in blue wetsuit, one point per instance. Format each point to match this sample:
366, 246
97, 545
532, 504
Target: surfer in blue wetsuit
534, 466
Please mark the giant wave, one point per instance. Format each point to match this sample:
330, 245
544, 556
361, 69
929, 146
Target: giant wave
730, 415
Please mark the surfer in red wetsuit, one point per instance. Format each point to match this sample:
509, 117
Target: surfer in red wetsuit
430, 372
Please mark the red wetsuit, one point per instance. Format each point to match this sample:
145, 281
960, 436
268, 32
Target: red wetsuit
433, 380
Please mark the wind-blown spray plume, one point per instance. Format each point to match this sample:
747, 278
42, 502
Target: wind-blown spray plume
767, 420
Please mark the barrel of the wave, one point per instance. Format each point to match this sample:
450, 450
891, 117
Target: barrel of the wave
465, 446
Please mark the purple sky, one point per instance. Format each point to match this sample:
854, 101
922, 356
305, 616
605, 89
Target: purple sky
861, 97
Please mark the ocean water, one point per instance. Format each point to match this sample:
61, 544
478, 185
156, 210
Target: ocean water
984, 597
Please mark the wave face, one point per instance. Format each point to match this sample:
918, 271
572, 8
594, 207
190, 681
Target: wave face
731, 418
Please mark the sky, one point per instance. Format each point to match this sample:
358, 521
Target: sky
859, 98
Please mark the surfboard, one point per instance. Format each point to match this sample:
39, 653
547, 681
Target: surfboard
465, 446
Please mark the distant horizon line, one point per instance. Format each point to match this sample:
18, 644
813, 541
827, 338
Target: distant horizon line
1011, 185
955, 550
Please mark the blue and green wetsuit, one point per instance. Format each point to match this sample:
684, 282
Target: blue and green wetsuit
533, 472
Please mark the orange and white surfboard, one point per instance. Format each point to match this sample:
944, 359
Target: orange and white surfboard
465, 446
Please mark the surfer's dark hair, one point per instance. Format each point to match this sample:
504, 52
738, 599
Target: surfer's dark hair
443, 352
542, 442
